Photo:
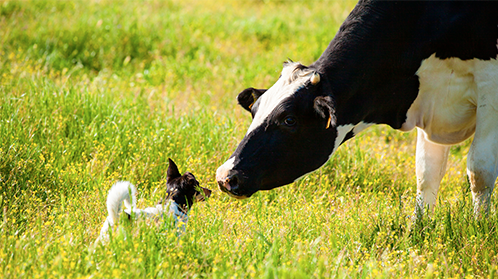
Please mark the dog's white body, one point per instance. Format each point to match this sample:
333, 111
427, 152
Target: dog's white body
125, 192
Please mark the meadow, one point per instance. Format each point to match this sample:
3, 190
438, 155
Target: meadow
92, 92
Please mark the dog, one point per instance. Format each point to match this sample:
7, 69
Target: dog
181, 193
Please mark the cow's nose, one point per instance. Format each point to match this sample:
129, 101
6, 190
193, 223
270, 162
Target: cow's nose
229, 183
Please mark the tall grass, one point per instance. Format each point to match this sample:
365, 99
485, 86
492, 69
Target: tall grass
93, 92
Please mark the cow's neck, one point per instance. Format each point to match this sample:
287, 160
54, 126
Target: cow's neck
368, 71
370, 66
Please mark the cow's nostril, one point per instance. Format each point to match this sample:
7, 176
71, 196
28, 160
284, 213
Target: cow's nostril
233, 181
223, 185
230, 183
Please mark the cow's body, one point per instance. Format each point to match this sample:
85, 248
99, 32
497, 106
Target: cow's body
430, 65
456, 97
449, 94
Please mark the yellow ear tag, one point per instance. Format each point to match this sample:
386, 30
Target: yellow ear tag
328, 122
254, 98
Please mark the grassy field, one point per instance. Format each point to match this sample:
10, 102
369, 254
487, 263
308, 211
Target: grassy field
92, 92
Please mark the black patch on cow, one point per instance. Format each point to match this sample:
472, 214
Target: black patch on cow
469, 30
370, 65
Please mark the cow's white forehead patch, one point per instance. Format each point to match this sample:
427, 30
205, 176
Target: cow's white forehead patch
292, 78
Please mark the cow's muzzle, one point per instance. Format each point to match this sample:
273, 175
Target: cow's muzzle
229, 181
230, 185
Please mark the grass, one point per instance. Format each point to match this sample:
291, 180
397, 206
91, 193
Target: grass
93, 92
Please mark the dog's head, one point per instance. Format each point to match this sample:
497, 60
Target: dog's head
184, 189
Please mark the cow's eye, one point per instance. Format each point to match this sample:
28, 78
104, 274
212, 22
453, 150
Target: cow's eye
290, 121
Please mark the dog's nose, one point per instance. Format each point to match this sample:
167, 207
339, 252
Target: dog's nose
207, 192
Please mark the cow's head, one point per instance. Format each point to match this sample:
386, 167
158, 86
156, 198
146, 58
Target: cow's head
293, 133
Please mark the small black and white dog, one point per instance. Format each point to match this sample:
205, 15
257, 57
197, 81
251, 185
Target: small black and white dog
182, 192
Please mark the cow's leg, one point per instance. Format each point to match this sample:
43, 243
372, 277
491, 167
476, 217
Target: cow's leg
482, 160
431, 161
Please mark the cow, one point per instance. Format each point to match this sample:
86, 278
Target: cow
429, 65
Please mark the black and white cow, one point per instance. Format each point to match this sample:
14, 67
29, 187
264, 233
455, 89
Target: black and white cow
425, 64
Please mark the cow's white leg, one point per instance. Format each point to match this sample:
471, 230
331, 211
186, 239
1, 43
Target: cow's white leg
431, 161
482, 160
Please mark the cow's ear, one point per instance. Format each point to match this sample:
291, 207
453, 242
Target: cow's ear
173, 171
324, 106
249, 96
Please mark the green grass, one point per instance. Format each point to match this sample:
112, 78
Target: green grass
92, 92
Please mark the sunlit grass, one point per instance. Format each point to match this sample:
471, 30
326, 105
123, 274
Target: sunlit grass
113, 92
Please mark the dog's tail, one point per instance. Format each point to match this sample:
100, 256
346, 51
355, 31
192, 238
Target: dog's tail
122, 191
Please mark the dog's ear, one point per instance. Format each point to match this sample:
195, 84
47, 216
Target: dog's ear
172, 171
